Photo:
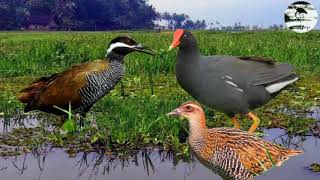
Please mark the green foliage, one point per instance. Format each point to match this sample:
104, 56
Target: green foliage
135, 113
315, 167
45, 53
69, 125
270, 157
78, 14
176, 21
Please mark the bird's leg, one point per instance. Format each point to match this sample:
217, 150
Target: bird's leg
235, 122
256, 122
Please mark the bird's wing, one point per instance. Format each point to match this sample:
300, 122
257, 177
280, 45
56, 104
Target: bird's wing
258, 58
266, 70
265, 75
45, 79
62, 88
27, 95
254, 71
255, 153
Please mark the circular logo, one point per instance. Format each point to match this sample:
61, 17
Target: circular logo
301, 17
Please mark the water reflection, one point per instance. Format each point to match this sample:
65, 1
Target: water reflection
314, 113
95, 165
50, 163
295, 167
29, 120
19, 120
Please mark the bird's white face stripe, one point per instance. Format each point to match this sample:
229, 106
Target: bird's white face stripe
117, 45
277, 87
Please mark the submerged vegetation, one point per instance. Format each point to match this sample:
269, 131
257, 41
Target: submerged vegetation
315, 167
133, 114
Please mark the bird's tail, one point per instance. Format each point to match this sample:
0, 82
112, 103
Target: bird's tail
29, 95
292, 152
287, 154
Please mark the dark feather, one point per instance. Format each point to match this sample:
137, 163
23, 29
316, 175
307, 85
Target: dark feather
273, 74
258, 58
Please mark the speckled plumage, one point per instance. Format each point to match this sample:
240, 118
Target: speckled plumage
236, 154
232, 153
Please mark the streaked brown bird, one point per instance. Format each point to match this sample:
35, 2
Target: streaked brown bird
230, 84
232, 153
82, 85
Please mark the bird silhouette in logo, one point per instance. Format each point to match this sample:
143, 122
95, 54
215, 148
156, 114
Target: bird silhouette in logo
300, 13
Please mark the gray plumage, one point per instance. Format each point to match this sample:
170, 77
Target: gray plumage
229, 84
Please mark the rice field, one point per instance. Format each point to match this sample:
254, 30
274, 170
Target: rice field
135, 110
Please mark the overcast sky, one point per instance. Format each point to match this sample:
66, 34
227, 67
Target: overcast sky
227, 12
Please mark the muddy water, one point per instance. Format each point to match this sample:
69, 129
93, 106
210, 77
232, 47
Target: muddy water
54, 164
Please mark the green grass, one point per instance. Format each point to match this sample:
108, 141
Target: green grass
149, 85
49, 52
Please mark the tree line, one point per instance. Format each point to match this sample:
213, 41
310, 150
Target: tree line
90, 15
175, 21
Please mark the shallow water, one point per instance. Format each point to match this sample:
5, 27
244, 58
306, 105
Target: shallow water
314, 113
54, 164
18, 121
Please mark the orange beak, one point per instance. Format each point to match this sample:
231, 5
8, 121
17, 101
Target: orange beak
176, 39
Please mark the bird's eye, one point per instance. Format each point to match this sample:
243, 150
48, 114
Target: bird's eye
189, 108
185, 35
